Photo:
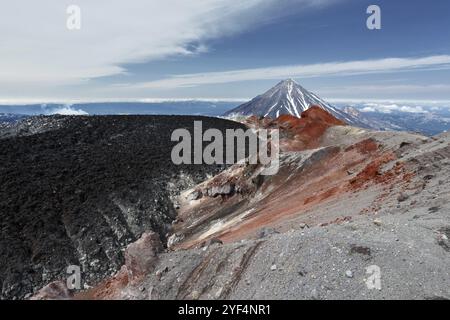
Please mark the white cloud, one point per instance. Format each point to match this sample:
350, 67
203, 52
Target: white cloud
302, 71
37, 48
66, 110
390, 108
42, 61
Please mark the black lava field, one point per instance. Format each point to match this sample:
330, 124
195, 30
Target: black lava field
78, 192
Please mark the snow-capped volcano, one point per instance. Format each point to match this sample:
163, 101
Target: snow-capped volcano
287, 97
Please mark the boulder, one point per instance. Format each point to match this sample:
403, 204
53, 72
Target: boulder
195, 195
173, 240
265, 232
223, 190
402, 197
213, 241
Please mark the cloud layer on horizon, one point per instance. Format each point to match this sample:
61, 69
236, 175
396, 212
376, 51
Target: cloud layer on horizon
390, 108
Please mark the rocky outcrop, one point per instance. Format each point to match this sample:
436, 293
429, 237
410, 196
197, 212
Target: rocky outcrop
56, 290
141, 256
303, 133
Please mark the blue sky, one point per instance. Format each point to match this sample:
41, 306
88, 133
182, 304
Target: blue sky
220, 49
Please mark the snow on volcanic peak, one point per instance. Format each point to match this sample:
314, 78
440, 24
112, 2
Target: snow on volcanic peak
287, 97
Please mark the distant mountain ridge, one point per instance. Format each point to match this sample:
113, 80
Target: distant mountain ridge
430, 122
186, 107
10, 117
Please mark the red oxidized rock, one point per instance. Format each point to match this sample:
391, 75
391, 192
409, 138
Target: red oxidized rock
141, 256
305, 132
56, 290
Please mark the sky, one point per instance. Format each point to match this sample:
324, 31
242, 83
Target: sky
223, 49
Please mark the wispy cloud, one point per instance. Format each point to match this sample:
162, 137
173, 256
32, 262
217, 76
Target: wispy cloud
37, 48
301, 71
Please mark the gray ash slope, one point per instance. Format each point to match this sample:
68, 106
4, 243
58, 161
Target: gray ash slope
288, 97
77, 190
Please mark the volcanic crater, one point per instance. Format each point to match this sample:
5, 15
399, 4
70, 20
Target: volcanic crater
75, 190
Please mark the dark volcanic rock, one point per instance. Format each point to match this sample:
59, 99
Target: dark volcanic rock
77, 190
25, 126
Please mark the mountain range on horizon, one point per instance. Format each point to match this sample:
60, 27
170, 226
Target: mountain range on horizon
286, 97
290, 98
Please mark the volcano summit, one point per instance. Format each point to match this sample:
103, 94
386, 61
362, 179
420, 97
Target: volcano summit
287, 97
